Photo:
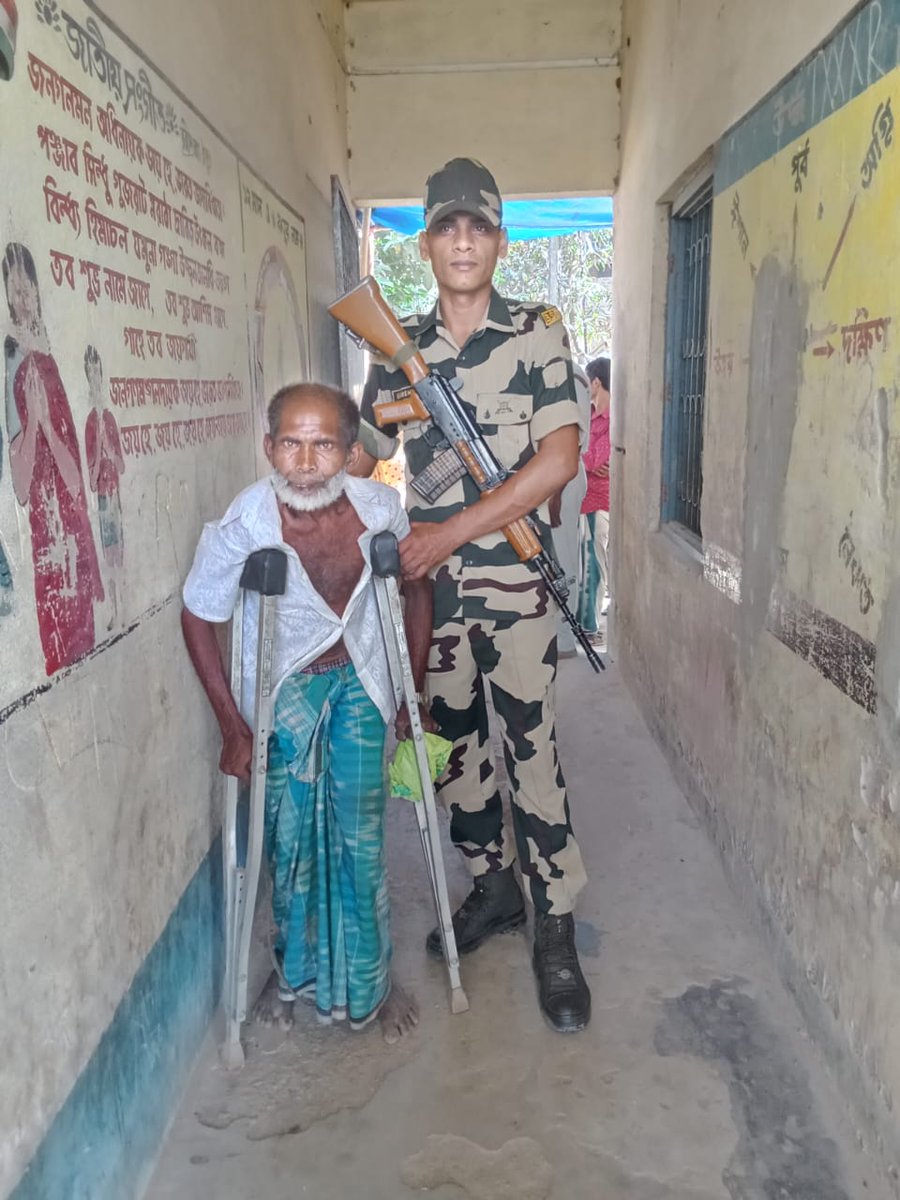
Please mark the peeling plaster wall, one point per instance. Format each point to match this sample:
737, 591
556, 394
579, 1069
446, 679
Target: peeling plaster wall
768, 659
108, 769
528, 88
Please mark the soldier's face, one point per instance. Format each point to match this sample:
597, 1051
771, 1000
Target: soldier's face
308, 450
463, 251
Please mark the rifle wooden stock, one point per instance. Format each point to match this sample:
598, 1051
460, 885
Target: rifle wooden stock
365, 312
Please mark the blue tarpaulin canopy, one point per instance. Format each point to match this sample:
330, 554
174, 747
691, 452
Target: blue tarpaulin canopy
523, 219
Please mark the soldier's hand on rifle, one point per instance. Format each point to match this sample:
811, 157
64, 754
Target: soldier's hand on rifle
425, 547
237, 750
402, 725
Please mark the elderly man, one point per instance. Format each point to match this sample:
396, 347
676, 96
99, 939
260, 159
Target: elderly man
495, 626
325, 790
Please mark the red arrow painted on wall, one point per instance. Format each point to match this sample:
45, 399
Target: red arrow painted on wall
825, 351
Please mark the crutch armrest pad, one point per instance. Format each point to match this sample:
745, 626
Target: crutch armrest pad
384, 555
265, 571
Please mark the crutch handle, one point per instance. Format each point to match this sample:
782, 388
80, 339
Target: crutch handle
384, 555
265, 571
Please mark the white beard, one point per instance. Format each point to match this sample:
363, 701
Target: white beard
313, 499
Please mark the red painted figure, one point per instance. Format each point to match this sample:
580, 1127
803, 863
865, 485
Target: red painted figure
45, 465
9, 23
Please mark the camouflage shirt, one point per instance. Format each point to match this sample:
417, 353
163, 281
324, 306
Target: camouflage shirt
518, 383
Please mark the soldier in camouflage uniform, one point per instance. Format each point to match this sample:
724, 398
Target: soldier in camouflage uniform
494, 623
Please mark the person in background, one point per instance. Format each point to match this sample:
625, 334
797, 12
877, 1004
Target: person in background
594, 597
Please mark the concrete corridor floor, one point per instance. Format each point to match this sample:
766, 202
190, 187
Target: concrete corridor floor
694, 1081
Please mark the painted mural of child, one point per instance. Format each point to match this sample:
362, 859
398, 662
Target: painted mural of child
105, 464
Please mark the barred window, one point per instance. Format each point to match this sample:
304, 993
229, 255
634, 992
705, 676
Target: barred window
686, 335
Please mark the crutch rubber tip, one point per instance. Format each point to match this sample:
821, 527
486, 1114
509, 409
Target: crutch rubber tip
232, 1056
459, 1002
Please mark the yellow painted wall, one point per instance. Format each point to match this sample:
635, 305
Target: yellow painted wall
767, 656
838, 242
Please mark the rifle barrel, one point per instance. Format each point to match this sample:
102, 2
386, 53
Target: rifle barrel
590, 653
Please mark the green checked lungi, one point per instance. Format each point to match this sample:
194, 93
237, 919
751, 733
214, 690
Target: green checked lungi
325, 801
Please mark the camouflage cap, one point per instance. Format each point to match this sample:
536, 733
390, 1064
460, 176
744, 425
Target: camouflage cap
463, 185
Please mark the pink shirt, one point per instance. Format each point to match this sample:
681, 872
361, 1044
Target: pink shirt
597, 455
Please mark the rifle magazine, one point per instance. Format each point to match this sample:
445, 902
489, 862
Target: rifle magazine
442, 472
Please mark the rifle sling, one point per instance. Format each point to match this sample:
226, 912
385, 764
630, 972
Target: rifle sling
407, 351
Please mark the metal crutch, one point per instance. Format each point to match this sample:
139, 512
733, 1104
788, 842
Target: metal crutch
265, 572
385, 559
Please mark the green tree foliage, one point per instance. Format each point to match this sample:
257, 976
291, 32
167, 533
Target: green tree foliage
580, 285
405, 280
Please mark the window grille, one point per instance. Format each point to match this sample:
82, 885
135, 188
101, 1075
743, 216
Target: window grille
686, 336
346, 273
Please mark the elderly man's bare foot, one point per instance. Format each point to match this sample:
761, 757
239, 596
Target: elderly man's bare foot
272, 1009
399, 1015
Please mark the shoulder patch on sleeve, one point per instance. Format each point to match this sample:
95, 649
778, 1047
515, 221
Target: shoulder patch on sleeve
550, 315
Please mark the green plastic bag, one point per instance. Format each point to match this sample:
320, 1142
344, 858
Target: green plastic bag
403, 772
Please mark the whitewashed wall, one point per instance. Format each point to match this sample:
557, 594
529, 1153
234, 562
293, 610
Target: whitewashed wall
108, 778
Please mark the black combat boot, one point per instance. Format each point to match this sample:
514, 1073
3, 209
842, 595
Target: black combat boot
563, 993
494, 905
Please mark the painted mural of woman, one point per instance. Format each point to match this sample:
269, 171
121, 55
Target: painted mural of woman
45, 465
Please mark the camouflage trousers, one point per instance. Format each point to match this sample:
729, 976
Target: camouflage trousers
495, 628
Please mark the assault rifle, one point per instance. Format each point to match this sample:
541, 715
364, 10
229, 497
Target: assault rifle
369, 320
